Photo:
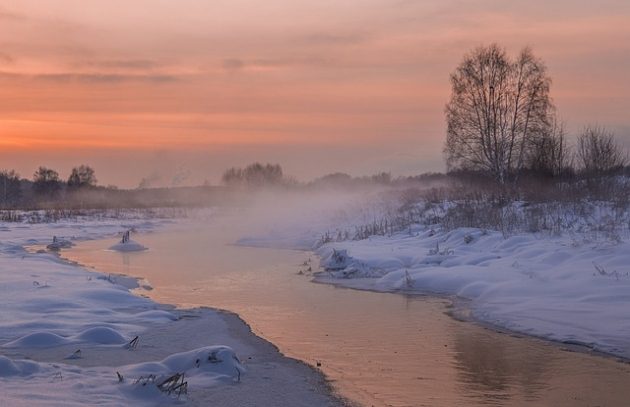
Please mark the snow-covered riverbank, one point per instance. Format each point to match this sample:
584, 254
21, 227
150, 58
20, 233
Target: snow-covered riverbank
559, 271
569, 289
67, 337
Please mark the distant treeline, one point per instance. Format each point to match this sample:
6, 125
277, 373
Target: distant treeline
46, 185
259, 175
597, 156
46, 189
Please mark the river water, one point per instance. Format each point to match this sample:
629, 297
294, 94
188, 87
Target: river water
379, 349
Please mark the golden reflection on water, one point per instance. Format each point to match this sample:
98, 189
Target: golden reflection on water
380, 349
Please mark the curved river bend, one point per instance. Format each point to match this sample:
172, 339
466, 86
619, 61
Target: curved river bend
378, 349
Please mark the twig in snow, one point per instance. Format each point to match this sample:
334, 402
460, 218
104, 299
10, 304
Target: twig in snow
144, 380
174, 383
614, 273
133, 344
75, 355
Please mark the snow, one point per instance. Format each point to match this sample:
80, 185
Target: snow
216, 363
570, 288
138, 384
97, 335
129, 246
58, 244
66, 334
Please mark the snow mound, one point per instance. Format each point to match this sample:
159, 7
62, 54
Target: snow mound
38, 340
336, 260
153, 383
339, 264
59, 243
201, 366
101, 335
10, 368
97, 335
128, 246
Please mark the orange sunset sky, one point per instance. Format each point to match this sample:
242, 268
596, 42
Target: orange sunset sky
176, 91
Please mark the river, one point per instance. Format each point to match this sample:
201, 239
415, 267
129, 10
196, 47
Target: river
379, 349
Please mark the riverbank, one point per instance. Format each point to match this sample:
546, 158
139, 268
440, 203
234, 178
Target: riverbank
571, 289
66, 333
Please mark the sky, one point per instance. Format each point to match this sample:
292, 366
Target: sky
174, 92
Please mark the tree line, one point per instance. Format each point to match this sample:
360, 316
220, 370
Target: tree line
501, 121
46, 185
256, 175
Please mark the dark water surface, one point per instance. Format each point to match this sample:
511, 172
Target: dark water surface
379, 349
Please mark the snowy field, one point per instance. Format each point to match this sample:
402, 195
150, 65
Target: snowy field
69, 336
570, 288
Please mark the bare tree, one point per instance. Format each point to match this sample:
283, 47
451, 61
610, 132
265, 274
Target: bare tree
82, 176
255, 175
10, 188
549, 153
498, 106
46, 182
598, 152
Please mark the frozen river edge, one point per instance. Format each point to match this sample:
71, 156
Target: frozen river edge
53, 309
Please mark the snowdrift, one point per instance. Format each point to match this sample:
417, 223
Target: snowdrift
570, 289
98, 335
98, 314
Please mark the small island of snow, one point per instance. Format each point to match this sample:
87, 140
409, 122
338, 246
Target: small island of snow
127, 245
59, 243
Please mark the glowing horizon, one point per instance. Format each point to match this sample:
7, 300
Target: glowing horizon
151, 87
